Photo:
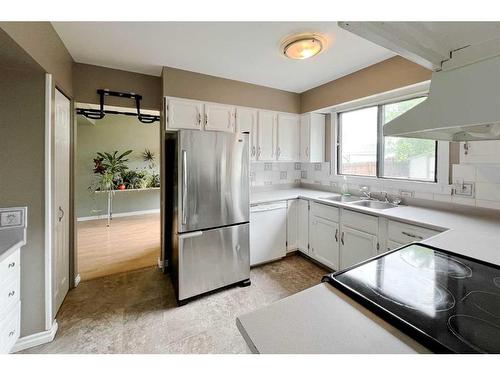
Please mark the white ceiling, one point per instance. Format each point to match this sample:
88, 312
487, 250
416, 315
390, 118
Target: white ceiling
244, 51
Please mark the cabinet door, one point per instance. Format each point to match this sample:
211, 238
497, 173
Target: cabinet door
392, 245
324, 245
219, 117
305, 138
291, 225
184, 114
246, 121
266, 135
288, 137
303, 225
316, 153
356, 246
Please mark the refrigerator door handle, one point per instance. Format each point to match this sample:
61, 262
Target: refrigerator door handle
191, 234
184, 186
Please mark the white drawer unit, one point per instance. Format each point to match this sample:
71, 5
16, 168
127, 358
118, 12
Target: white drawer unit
10, 266
10, 302
10, 325
405, 233
325, 211
267, 232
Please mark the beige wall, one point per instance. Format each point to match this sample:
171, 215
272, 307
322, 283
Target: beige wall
41, 42
22, 178
88, 78
387, 75
185, 84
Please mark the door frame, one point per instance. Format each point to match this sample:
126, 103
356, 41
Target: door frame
50, 87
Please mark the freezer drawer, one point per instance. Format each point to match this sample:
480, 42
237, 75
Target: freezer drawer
212, 259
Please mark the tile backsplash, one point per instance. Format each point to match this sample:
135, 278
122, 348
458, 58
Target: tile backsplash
264, 174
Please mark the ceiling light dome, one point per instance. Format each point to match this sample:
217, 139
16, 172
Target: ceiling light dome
303, 46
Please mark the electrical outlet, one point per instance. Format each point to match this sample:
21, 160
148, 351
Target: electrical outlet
317, 166
298, 166
464, 189
406, 194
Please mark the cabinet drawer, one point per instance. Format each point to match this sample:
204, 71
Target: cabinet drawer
10, 328
406, 233
362, 222
10, 266
9, 294
324, 211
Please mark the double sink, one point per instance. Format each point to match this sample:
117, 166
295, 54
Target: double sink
357, 201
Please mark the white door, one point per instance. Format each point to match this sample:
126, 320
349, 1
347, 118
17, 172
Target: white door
305, 140
184, 114
266, 135
219, 117
356, 246
288, 137
61, 165
324, 241
246, 121
303, 225
291, 225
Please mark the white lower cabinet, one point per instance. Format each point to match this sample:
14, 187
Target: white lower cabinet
292, 225
356, 246
303, 225
10, 301
324, 244
391, 245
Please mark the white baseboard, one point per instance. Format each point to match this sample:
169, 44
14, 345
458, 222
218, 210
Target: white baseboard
36, 339
121, 214
77, 280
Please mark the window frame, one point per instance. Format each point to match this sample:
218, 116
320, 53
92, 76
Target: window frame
379, 168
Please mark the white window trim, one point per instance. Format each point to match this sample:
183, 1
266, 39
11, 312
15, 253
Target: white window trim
442, 174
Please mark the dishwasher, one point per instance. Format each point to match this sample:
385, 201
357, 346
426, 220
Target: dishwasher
267, 232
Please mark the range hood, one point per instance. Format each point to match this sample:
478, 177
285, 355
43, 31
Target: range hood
464, 98
463, 105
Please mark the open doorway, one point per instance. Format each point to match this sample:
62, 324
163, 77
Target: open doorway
117, 195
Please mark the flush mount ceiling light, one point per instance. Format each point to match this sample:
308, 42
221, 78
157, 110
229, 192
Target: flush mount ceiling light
303, 46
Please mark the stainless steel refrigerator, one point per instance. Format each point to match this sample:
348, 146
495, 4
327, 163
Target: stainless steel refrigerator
206, 200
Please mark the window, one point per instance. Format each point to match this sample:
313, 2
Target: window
364, 151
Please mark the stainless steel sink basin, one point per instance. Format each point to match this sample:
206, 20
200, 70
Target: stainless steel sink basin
374, 204
341, 198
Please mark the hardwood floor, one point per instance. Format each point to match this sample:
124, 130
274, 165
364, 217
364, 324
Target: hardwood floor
130, 243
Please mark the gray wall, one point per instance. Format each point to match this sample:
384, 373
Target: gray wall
22, 129
114, 132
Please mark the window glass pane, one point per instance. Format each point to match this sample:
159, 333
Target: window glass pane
358, 132
408, 158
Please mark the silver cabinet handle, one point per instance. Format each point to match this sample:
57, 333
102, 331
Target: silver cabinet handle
11, 294
11, 265
411, 235
199, 118
278, 152
11, 333
336, 235
307, 151
184, 186
61, 212
253, 150
259, 152
206, 119
342, 238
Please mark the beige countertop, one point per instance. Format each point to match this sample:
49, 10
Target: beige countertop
321, 319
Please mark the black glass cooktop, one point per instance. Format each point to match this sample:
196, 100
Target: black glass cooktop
447, 302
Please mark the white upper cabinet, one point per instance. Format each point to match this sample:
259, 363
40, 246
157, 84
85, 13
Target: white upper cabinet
266, 135
312, 138
288, 137
219, 117
184, 114
246, 121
